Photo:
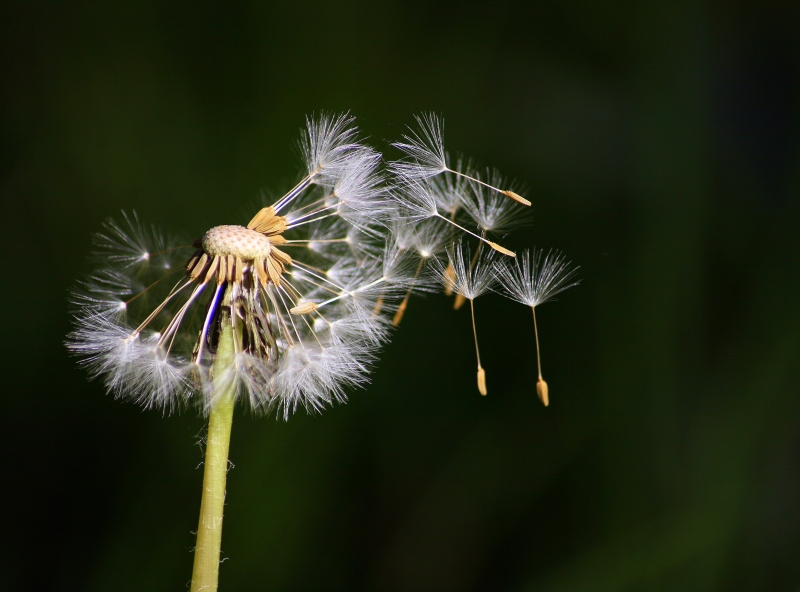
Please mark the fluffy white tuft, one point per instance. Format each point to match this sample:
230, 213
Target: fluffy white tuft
473, 276
490, 210
424, 149
533, 278
329, 145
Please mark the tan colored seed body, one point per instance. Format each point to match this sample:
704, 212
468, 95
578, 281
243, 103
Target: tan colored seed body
516, 197
482, 381
501, 249
541, 390
398, 316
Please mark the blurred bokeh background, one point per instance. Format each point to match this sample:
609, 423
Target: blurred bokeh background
660, 144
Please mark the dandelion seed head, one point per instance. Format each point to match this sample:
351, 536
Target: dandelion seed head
304, 292
296, 287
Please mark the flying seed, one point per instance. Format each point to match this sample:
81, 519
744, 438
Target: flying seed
503, 250
541, 390
398, 316
482, 381
516, 197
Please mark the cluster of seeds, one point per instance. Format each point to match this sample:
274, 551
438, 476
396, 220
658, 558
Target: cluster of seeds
312, 285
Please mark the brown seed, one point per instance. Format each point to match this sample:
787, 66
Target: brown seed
517, 197
273, 271
261, 272
482, 381
222, 274
193, 261
230, 271
503, 250
199, 267
211, 269
267, 222
281, 257
541, 390
398, 316
239, 270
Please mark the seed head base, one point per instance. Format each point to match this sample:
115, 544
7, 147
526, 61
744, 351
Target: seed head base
237, 241
228, 252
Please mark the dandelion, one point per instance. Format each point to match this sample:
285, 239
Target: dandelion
289, 311
532, 281
276, 314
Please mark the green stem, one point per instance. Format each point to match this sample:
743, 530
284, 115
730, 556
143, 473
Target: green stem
205, 574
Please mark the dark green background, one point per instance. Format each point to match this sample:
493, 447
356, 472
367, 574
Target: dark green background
660, 145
